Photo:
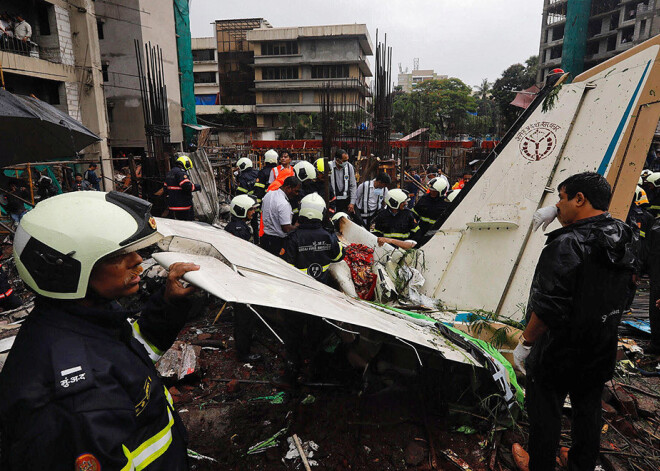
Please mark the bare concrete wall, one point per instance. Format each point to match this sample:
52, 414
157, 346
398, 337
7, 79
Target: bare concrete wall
124, 21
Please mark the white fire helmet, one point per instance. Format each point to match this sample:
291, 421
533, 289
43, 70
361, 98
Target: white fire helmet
440, 185
395, 197
241, 204
304, 171
243, 164
271, 157
55, 253
312, 207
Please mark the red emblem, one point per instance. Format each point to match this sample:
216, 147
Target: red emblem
87, 462
538, 144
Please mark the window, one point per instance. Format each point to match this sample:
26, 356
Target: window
203, 55
279, 73
43, 10
99, 27
279, 48
281, 97
204, 77
104, 72
331, 71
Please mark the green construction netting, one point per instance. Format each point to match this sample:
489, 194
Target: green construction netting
520, 394
187, 84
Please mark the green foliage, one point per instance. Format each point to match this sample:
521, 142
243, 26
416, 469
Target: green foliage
232, 119
480, 319
516, 77
298, 126
440, 105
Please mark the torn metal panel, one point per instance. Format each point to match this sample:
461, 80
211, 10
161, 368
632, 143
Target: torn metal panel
311, 297
206, 201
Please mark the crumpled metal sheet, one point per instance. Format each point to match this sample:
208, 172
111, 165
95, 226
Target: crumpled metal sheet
206, 201
237, 271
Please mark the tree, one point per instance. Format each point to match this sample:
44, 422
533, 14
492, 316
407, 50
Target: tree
515, 78
297, 126
440, 105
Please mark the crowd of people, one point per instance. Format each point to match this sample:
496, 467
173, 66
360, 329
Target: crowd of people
15, 33
86, 401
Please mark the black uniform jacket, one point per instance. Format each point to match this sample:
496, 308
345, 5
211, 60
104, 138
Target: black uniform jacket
78, 382
312, 249
579, 290
179, 189
239, 228
246, 181
261, 184
401, 226
428, 210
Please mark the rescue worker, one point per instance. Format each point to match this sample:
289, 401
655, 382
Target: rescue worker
282, 171
320, 184
306, 173
431, 207
247, 176
242, 208
578, 294
652, 188
179, 190
270, 162
342, 180
311, 248
467, 176
277, 215
371, 196
93, 398
396, 221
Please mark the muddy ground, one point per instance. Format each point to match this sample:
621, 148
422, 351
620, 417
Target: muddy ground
229, 406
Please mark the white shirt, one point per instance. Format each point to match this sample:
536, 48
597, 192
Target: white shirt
23, 30
370, 199
277, 212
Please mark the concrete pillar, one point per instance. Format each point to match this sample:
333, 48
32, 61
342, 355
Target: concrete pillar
87, 53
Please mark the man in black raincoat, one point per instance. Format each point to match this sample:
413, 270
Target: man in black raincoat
579, 291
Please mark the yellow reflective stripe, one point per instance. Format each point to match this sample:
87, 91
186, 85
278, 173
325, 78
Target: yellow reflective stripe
394, 235
642, 234
654, 207
415, 229
304, 270
415, 212
240, 188
153, 351
260, 185
168, 397
429, 220
151, 449
341, 252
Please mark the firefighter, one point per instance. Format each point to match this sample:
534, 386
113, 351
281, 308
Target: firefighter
242, 210
247, 176
431, 207
8, 299
270, 162
282, 171
319, 185
311, 248
179, 190
396, 221
79, 389
306, 173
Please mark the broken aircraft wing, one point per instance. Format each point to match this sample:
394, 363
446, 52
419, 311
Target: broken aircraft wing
250, 275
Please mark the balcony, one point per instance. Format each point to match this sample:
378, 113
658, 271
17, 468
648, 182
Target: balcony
312, 84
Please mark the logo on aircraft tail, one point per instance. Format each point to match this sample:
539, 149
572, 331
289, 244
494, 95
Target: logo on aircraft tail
537, 140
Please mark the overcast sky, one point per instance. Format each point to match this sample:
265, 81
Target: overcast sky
468, 39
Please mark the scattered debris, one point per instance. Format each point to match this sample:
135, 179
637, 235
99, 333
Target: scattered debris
301, 450
179, 361
266, 444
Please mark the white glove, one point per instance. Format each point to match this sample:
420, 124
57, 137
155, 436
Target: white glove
544, 216
520, 353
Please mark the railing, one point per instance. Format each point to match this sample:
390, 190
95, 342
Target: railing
641, 8
18, 46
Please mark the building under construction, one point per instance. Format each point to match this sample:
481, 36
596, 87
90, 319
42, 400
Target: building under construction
600, 29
